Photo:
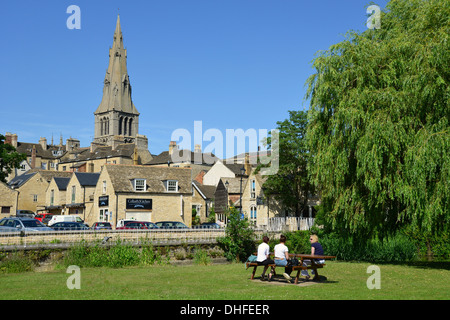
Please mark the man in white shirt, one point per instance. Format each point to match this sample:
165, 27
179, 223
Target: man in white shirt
282, 256
263, 257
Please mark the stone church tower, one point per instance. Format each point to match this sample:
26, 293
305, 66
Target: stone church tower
116, 118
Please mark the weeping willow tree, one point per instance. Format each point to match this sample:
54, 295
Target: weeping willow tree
379, 123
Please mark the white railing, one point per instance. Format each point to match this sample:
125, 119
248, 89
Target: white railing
289, 224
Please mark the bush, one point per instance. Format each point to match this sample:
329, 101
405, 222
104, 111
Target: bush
397, 248
15, 262
238, 242
201, 257
117, 256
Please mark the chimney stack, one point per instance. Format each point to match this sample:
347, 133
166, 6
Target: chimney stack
247, 166
172, 146
11, 139
43, 143
33, 157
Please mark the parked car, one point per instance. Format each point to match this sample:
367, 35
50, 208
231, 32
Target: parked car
102, 226
171, 225
60, 226
63, 218
13, 224
208, 225
25, 214
138, 225
44, 217
122, 222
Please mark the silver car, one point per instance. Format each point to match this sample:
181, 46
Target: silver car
22, 224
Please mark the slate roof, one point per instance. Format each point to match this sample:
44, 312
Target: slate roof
122, 177
234, 184
187, 155
61, 183
18, 181
207, 191
87, 179
52, 152
85, 154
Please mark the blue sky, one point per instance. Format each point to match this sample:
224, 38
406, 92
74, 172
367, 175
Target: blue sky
232, 64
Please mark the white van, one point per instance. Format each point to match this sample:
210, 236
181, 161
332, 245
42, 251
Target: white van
61, 218
122, 222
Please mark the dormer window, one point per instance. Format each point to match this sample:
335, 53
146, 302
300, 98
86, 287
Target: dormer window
171, 185
140, 185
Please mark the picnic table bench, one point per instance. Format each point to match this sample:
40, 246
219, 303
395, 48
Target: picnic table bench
301, 258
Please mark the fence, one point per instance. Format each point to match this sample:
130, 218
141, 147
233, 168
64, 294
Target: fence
289, 224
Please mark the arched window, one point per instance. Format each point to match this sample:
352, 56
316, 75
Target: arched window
101, 127
125, 124
120, 125
129, 126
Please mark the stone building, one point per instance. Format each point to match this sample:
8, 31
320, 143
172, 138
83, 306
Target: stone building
80, 193
32, 187
8, 200
39, 155
55, 196
202, 200
142, 193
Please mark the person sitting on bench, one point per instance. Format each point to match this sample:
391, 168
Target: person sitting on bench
281, 253
316, 249
263, 257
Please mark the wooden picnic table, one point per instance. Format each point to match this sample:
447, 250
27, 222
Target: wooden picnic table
301, 258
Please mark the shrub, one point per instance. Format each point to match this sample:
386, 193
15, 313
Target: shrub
397, 248
201, 257
238, 242
16, 262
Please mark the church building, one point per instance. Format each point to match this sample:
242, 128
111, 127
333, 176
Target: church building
116, 131
116, 118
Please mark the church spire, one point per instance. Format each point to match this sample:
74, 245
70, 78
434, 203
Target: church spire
117, 88
116, 115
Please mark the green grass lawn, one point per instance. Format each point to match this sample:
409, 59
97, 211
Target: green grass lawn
345, 281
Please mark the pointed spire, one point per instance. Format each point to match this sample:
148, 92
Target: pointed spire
118, 34
117, 88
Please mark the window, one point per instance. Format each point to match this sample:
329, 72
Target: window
35, 197
52, 197
252, 189
104, 187
252, 213
139, 184
103, 216
172, 185
6, 210
73, 193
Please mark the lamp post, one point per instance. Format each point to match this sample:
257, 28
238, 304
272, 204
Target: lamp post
240, 193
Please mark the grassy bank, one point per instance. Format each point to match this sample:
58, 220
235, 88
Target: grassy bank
345, 280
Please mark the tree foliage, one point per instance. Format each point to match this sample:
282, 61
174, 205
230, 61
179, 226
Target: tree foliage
290, 185
379, 122
238, 242
9, 159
